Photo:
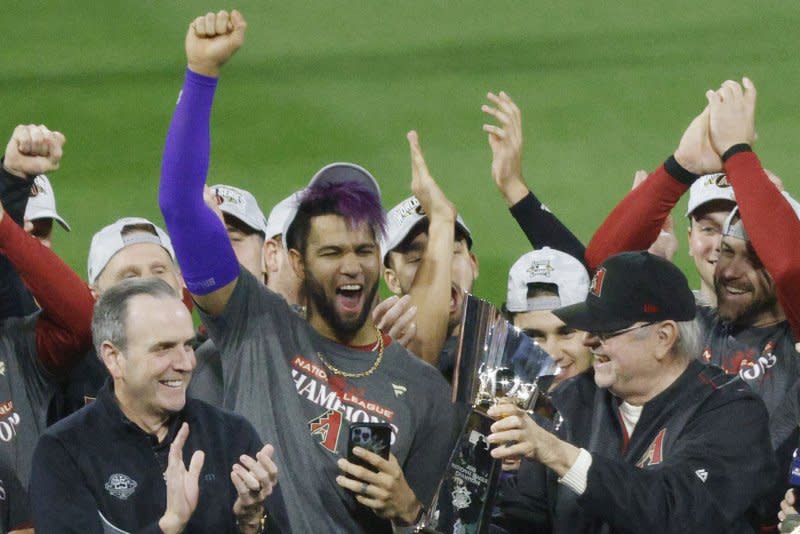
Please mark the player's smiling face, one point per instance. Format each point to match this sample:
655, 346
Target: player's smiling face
705, 235
341, 268
564, 344
745, 290
404, 265
155, 366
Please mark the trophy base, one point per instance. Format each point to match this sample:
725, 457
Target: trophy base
466, 494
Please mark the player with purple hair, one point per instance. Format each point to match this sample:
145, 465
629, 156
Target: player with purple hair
302, 381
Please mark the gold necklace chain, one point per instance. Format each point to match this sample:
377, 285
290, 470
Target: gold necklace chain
362, 374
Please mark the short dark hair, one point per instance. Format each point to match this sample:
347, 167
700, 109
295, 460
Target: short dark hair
352, 200
109, 322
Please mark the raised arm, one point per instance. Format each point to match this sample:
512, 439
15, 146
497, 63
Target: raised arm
31, 150
205, 255
430, 291
634, 224
541, 227
770, 221
63, 331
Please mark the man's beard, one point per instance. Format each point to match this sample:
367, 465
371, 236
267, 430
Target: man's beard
744, 314
343, 328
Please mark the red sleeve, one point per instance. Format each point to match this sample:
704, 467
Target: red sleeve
773, 228
637, 220
63, 331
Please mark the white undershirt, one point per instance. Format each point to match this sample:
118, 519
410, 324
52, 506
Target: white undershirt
575, 478
630, 415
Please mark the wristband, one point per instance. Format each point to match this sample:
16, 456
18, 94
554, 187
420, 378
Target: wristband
677, 171
735, 149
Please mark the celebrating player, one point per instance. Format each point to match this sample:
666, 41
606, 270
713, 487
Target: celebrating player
304, 381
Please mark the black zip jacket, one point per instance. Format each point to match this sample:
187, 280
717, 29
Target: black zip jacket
96, 472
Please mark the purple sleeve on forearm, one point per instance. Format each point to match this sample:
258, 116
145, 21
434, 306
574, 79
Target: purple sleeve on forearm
201, 243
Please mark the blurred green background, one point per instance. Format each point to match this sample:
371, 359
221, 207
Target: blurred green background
605, 88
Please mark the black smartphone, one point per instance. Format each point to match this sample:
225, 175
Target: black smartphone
374, 437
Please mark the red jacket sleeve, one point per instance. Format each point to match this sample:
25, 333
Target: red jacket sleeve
773, 229
63, 331
637, 220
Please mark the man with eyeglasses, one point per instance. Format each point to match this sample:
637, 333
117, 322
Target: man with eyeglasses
652, 442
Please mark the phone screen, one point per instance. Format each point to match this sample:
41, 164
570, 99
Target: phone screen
374, 437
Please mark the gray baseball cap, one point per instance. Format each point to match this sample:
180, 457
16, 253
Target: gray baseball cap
402, 218
240, 204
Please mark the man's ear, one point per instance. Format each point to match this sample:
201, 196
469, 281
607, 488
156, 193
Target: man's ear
298, 265
270, 256
93, 291
475, 267
666, 337
112, 358
391, 281
689, 238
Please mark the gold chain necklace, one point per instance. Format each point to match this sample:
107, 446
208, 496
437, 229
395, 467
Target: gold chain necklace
362, 374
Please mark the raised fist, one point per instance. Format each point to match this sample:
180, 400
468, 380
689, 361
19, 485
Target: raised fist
33, 150
212, 39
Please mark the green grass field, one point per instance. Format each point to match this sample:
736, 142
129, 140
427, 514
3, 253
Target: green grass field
605, 88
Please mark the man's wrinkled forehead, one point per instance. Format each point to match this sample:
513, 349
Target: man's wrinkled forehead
331, 228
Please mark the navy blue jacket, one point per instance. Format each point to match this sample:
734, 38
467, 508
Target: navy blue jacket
96, 470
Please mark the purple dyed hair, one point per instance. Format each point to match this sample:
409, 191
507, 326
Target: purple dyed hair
353, 200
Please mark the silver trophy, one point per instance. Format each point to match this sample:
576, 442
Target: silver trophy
496, 363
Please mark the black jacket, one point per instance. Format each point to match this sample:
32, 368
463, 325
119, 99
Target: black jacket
697, 461
96, 469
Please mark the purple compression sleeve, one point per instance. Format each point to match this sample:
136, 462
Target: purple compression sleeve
201, 243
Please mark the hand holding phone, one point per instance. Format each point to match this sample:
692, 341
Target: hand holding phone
374, 437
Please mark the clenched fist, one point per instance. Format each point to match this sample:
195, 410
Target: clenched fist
212, 39
33, 150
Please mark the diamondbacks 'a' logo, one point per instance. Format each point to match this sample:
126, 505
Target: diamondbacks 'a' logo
654, 454
596, 288
121, 486
325, 429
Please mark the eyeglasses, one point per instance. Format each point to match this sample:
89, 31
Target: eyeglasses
605, 336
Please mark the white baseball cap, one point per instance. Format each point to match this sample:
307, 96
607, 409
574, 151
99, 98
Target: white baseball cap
736, 228
108, 241
708, 188
42, 202
402, 218
282, 215
240, 204
547, 266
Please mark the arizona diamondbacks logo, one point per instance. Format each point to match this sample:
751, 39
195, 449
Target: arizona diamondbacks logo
120, 486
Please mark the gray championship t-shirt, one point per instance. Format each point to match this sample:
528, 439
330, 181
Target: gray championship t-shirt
273, 376
25, 391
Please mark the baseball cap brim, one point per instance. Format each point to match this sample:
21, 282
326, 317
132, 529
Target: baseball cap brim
583, 316
43, 214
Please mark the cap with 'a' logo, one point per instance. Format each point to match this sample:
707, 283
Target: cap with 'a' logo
628, 288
